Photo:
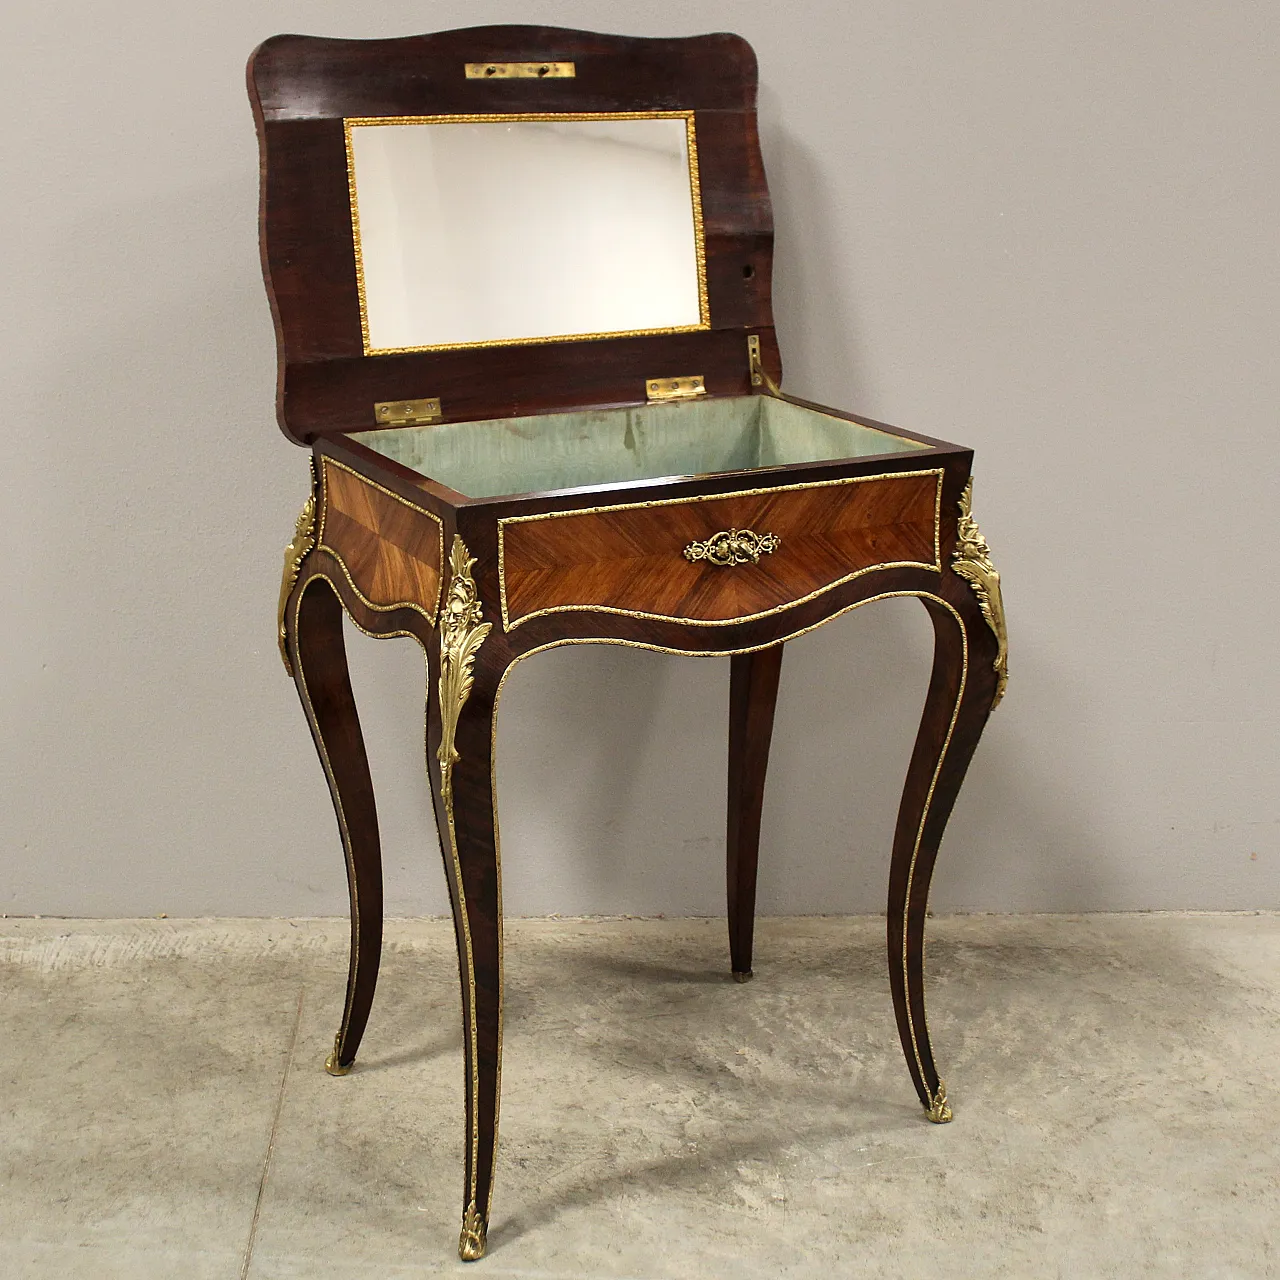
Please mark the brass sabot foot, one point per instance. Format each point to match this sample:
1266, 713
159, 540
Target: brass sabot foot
332, 1064
940, 1109
471, 1243
742, 977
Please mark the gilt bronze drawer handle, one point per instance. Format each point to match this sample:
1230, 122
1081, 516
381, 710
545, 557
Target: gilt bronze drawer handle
733, 546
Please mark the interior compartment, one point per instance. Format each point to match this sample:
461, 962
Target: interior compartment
609, 446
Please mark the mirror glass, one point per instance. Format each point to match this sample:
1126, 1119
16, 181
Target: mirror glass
517, 229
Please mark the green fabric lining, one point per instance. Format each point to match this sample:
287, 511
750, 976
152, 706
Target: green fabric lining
606, 446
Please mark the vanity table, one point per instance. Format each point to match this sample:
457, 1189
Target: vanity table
520, 279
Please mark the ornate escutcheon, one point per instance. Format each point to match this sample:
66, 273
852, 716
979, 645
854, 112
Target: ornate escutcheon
733, 546
972, 561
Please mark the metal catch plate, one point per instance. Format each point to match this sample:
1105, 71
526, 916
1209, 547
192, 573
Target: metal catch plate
675, 388
759, 375
520, 71
406, 413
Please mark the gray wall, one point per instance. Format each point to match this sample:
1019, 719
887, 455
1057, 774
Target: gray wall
1045, 230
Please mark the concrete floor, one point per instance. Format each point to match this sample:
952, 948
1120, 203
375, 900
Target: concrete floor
1115, 1081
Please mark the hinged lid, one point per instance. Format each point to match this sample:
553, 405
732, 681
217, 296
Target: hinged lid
505, 221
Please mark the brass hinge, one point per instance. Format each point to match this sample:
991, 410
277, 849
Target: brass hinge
406, 413
520, 71
759, 374
675, 388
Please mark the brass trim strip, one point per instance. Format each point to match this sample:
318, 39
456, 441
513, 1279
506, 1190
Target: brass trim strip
699, 235
695, 189
935, 567
434, 611
364, 599
373, 635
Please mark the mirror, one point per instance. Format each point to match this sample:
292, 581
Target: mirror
476, 231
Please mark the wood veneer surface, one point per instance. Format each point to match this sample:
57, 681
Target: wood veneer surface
303, 87
392, 550
632, 558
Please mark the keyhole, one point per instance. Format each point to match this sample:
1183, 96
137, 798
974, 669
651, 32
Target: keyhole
748, 271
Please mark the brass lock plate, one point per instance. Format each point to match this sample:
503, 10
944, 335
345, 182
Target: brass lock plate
520, 71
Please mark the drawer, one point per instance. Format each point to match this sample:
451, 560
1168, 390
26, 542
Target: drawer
390, 550
665, 560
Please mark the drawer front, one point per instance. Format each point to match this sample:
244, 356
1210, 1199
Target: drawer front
664, 560
390, 550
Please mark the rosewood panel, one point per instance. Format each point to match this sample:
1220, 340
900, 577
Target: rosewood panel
310, 249
391, 550
334, 396
293, 77
303, 87
630, 558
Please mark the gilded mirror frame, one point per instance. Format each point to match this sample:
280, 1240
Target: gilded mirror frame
531, 117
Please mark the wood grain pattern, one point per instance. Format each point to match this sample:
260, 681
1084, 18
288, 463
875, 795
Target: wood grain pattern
753, 693
314, 629
630, 558
961, 690
338, 395
392, 550
301, 89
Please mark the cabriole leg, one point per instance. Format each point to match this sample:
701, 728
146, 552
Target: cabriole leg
962, 689
753, 692
318, 657
460, 759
